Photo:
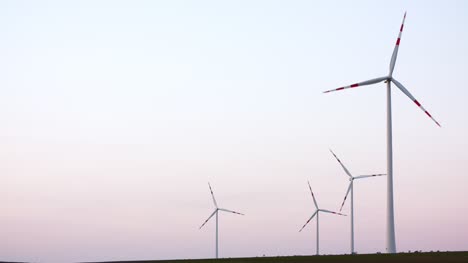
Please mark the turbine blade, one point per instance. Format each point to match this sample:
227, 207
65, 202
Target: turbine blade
342, 165
407, 93
212, 195
395, 50
346, 196
313, 197
331, 212
209, 218
316, 211
230, 211
364, 83
366, 176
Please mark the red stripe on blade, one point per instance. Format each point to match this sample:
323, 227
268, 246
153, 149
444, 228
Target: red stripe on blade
401, 28
398, 42
354, 85
340, 88
417, 103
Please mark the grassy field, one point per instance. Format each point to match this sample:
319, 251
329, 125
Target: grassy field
426, 257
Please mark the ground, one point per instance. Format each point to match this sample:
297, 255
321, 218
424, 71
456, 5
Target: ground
418, 257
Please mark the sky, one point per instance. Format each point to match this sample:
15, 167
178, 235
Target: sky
116, 114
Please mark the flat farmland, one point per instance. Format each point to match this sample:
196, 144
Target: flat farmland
426, 257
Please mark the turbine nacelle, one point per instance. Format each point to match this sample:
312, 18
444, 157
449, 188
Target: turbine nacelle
389, 78
351, 178
317, 209
217, 209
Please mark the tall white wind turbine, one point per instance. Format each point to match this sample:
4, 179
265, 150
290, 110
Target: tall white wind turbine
316, 213
391, 242
351, 191
215, 212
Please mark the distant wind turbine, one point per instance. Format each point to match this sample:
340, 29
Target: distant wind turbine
391, 242
217, 209
351, 190
317, 211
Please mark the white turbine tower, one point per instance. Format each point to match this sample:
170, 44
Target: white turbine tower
351, 190
317, 211
217, 209
391, 242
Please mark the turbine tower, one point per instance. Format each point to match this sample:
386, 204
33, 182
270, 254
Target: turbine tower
216, 211
391, 243
351, 190
317, 211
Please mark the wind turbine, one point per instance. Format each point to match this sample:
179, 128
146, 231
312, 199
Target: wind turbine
317, 211
216, 211
351, 190
391, 242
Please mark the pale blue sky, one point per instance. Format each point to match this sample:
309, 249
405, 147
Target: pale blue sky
115, 114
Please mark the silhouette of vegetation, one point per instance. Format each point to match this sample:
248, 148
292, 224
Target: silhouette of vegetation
416, 257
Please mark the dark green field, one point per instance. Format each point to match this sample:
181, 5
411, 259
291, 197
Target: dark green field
426, 257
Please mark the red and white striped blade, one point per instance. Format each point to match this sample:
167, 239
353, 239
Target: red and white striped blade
395, 50
212, 195
331, 212
313, 197
407, 93
366, 176
216, 210
308, 220
346, 196
355, 85
230, 211
342, 165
